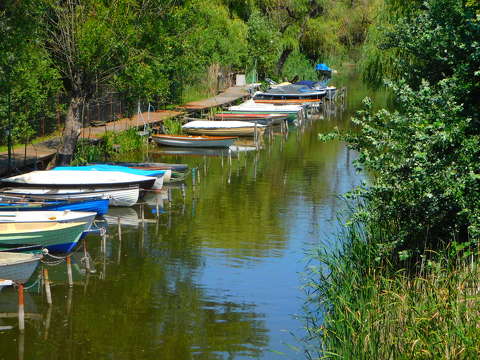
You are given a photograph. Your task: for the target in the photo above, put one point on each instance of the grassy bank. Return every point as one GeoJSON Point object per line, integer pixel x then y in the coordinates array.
{"type": "Point", "coordinates": [365, 307]}
{"type": "Point", "coordinates": [109, 147]}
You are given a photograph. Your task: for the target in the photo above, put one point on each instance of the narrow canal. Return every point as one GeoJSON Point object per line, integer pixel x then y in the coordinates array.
{"type": "Point", "coordinates": [215, 269]}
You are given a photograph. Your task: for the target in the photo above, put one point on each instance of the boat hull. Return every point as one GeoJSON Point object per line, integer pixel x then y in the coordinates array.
{"type": "Point", "coordinates": [55, 237]}
{"type": "Point", "coordinates": [83, 180]}
{"type": "Point", "coordinates": [116, 197]}
{"type": "Point", "coordinates": [18, 267]}
{"type": "Point", "coordinates": [237, 131]}
{"type": "Point", "coordinates": [195, 142]}
{"type": "Point", "coordinates": [23, 202]}
{"type": "Point", "coordinates": [47, 216]}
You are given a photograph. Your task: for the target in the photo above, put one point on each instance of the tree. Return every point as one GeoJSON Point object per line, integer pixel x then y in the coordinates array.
{"type": "Point", "coordinates": [89, 42]}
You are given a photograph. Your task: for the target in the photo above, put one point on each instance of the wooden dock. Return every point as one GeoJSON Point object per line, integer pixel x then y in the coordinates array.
{"type": "Point", "coordinates": [138, 121]}
{"type": "Point", "coordinates": [39, 155]}
{"type": "Point", "coordinates": [229, 96]}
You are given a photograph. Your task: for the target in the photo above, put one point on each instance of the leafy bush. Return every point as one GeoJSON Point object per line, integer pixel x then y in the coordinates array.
{"type": "Point", "coordinates": [425, 187]}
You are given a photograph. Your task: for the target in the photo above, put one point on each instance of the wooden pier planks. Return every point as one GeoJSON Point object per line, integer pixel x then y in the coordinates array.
{"type": "Point", "coordinates": [230, 95]}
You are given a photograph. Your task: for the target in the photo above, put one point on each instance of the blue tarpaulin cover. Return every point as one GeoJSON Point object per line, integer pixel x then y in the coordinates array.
{"type": "Point", "coordinates": [309, 83]}
{"type": "Point", "coordinates": [322, 67]}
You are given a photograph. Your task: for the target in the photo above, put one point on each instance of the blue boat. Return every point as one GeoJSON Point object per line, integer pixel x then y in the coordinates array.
{"type": "Point", "coordinates": [100, 206]}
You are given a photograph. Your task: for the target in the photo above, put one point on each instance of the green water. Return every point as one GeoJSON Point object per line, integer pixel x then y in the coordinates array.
{"type": "Point", "coordinates": [214, 271]}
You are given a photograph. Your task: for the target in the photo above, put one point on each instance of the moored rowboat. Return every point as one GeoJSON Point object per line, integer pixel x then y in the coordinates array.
{"type": "Point", "coordinates": [18, 267]}
{"type": "Point", "coordinates": [223, 128]}
{"type": "Point", "coordinates": [24, 200]}
{"type": "Point", "coordinates": [55, 236]}
{"type": "Point", "coordinates": [67, 179]}
{"type": "Point", "coordinates": [194, 141]}
{"type": "Point", "coordinates": [47, 216]}
{"type": "Point", "coordinates": [265, 118]}
{"type": "Point", "coordinates": [159, 175]}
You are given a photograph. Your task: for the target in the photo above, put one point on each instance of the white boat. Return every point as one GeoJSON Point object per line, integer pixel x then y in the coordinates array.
{"type": "Point", "coordinates": [17, 267]}
{"type": "Point", "coordinates": [194, 141]}
{"type": "Point", "coordinates": [91, 180]}
{"type": "Point", "coordinates": [47, 216]}
{"type": "Point", "coordinates": [223, 128]}
{"type": "Point", "coordinates": [252, 106]}
{"type": "Point", "coordinates": [126, 196]}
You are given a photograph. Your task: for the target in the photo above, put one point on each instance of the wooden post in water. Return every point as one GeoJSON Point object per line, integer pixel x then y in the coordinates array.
{"type": "Point", "coordinates": [104, 243]}
{"type": "Point", "coordinates": [119, 240]}
{"type": "Point", "coordinates": [119, 229]}
{"type": "Point", "coordinates": [69, 271]}
{"type": "Point", "coordinates": [69, 301]}
{"type": "Point", "coordinates": [85, 256]}
{"type": "Point", "coordinates": [47, 322]}
{"type": "Point", "coordinates": [48, 293]}
{"type": "Point", "coordinates": [21, 309]}
{"type": "Point", "coordinates": [21, 346]}
{"type": "Point", "coordinates": [194, 171]}
{"type": "Point", "coordinates": [142, 213]}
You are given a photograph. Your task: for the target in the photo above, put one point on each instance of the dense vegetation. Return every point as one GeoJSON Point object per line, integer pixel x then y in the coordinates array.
{"type": "Point", "coordinates": [57, 56]}
{"type": "Point", "coordinates": [405, 283]}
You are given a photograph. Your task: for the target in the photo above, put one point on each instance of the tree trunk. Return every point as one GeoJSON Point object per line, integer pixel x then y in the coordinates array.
{"type": "Point", "coordinates": [73, 127]}
{"type": "Point", "coordinates": [281, 61]}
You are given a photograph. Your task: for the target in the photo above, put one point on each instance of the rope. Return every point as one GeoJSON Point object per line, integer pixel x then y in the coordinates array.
{"type": "Point", "coordinates": [15, 284]}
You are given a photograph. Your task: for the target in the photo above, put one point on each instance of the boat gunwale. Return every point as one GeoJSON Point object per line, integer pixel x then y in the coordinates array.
{"type": "Point", "coordinates": [194, 137]}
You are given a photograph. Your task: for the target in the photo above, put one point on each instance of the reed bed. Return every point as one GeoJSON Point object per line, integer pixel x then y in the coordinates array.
{"type": "Point", "coordinates": [360, 308]}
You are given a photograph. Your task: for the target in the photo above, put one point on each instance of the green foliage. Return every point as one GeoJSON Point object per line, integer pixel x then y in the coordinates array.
{"type": "Point", "coordinates": [87, 152]}
{"type": "Point", "coordinates": [387, 294]}
{"type": "Point", "coordinates": [62, 53]}
{"type": "Point", "coordinates": [298, 65]}
{"type": "Point", "coordinates": [110, 145]}
{"type": "Point", "coordinates": [172, 127]}
{"type": "Point", "coordinates": [425, 188]}
{"type": "Point", "coordinates": [263, 46]}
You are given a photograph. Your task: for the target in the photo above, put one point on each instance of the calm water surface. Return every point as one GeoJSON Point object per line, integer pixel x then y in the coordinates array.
{"type": "Point", "coordinates": [214, 271]}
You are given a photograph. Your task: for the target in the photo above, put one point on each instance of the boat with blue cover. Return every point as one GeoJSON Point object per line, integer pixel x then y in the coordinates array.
{"type": "Point", "coordinates": [157, 174]}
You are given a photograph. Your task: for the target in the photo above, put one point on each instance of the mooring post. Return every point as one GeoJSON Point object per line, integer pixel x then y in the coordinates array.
{"type": "Point", "coordinates": [119, 229]}
{"type": "Point", "coordinates": [21, 346]}
{"type": "Point", "coordinates": [85, 256]}
{"type": "Point", "coordinates": [21, 309]}
{"type": "Point", "coordinates": [104, 243]}
{"type": "Point", "coordinates": [69, 271]}
{"type": "Point", "coordinates": [47, 322]}
{"type": "Point", "coordinates": [142, 212]}
{"type": "Point", "coordinates": [48, 293]}
{"type": "Point", "coordinates": [194, 170]}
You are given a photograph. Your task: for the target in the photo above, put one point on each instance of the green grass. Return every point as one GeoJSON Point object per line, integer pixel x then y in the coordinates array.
{"type": "Point", "coordinates": [363, 307]}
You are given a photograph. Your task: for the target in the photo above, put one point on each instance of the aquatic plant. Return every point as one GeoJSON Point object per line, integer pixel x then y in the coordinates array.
{"type": "Point", "coordinates": [172, 127]}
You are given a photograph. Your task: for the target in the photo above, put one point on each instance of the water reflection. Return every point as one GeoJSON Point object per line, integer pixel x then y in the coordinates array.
{"type": "Point", "coordinates": [208, 268]}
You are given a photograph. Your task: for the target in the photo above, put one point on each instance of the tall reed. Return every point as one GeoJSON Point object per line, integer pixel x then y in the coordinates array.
{"type": "Point", "coordinates": [361, 306]}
